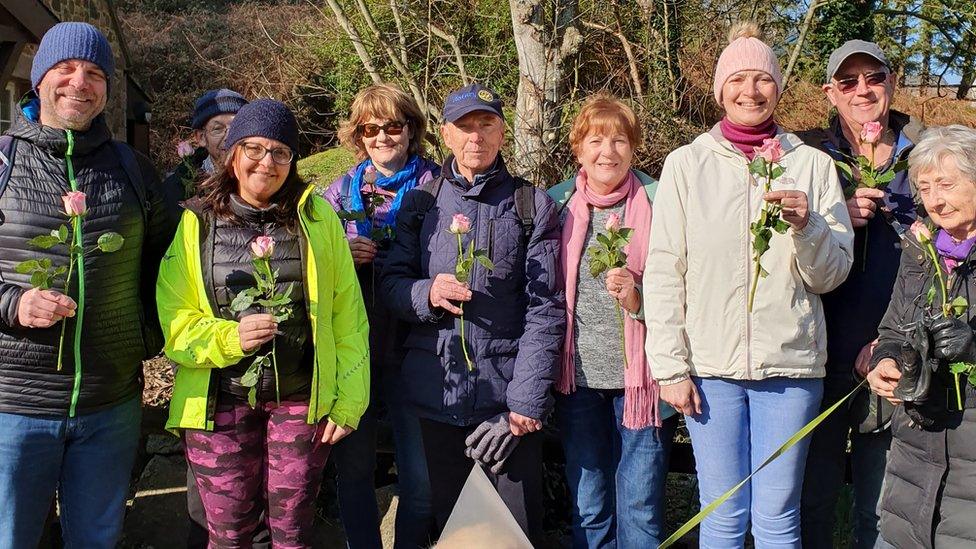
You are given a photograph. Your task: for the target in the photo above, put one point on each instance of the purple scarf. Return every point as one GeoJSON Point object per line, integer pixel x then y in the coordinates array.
{"type": "Point", "coordinates": [953, 252]}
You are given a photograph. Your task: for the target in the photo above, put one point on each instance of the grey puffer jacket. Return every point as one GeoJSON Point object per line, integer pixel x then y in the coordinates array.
{"type": "Point", "coordinates": [119, 327]}
{"type": "Point", "coordinates": [515, 321]}
{"type": "Point", "coordinates": [929, 497]}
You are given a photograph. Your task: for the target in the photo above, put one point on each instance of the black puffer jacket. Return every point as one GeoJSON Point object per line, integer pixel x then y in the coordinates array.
{"type": "Point", "coordinates": [227, 256]}
{"type": "Point", "coordinates": [929, 497]}
{"type": "Point", "coordinates": [119, 287]}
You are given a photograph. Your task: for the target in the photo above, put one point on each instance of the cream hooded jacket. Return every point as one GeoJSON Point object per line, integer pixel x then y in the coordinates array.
{"type": "Point", "coordinates": [699, 266]}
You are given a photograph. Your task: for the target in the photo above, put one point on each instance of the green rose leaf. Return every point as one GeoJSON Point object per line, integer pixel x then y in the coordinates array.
{"type": "Point", "coordinates": [886, 177]}
{"type": "Point", "coordinates": [781, 226]}
{"type": "Point", "coordinates": [899, 166]}
{"type": "Point", "coordinates": [482, 258]}
{"type": "Point", "coordinates": [25, 267]}
{"type": "Point", "coordinates": [625, 234]}
{"type": "Point", "coordinates": [959, 305]}
{"type": "Point", "coordinates": [242, 302]}
{"type": "Point", "coordinates": [110, 242]}
{"type": "Point", "coordinates": [959, 367]}
{"type": "Point", "coordinates": [758, 167]}
{"type": "Point", "coordinates": [930, 295]}
{"type": "Point", "coordinates": [778, 171]}
{"type": "Point", "coordinates": [597, 267]}
{"type": "Point", "coordinates": [252, 397]}
{"type": "Point", "coordinates": [44, 241]}
{"type": "Point", "coordinates": [40, 279]}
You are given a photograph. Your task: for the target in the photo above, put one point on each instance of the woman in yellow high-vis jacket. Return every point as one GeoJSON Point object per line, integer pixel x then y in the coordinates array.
{"type": "Point", "coordinates": [254, 429]}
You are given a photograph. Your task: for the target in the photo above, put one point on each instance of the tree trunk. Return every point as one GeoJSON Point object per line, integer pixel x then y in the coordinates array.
{"type": "Point", "coordinates": [546, 34]}
{"type": "Point", "coordinates": [798, 46]}
{"type": "Point", "coordinates": [968, 66]}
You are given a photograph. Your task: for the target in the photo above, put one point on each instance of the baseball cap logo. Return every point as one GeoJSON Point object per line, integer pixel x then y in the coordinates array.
{"type": "Point", "coordinates": [486, 96]}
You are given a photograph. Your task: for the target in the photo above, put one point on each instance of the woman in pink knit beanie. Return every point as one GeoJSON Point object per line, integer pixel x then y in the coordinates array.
{"type": "Point", "coordinates": [746, 374]}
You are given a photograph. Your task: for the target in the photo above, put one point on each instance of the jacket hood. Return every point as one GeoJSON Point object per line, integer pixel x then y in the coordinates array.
{"type": "Point", "coordinates": [55, 140]}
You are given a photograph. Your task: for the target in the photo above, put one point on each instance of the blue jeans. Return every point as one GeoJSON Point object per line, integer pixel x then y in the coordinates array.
{"type": "Point", "coordinates": [86, 459]}
{"type": "Point", "coordinates": [741, 424]}
{"type": "Point", "coordinates": [616, 476]}
{"type": "Point", "coordinates": [825, 472]}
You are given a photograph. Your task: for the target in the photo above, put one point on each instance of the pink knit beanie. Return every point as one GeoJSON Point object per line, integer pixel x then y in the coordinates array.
{"type": "Point", "coordinates": [745, 52]}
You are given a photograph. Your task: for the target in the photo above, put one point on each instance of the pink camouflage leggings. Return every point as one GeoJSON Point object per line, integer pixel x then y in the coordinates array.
{"type": "Point", "coordinates": [262, 459]}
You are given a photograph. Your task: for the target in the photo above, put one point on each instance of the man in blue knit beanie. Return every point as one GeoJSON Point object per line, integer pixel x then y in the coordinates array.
{"type": "Point", "coordinates": [71, 74]}
{"type": "Point", "coordinates": [71, 355]}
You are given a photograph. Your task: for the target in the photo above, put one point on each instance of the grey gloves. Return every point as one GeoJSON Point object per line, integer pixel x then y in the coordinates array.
{"type": "Point", "coordinates": [491, 443]}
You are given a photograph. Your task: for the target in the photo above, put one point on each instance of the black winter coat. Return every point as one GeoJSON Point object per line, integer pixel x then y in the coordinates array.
{"type": "Point", "coordinates": [119, 327]}
{"type": "Point", "coordinates": [929, 497]}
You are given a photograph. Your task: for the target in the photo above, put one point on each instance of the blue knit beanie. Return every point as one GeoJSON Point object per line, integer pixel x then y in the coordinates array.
{"type": "Point", "coordinates": [72, 40]}
{"type": "Point", "coordinates": [214, 102]}
{"type": "Point", "coordinates": [264, 118]}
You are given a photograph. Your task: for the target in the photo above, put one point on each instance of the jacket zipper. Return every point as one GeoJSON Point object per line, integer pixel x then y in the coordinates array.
{"type": "Point", "coordinates": [748, 250]}
{"type": "Point", "coordinates": [79, 317]}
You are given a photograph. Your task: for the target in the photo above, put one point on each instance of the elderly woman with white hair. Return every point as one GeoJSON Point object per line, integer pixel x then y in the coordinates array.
{"type": "Point", "coordinates": [925, 360]}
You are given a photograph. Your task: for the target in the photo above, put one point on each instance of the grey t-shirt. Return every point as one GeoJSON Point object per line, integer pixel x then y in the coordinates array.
{"type": "Point", "coordinates": [598, 334]}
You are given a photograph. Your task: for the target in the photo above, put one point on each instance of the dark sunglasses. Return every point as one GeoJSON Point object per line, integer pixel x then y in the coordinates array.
{"type": "Point", "coordinates": [847, 85]}
{"type": "Point", "coordinates": [257, 152]}
{"type": "Point", "coordinates": [394, 127]}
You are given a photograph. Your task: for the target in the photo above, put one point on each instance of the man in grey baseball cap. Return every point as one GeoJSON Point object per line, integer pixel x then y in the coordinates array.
{"type": "Point", "coordinates": [860, 86]}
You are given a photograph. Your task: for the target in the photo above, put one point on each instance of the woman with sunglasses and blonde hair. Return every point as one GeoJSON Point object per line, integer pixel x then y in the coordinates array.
{"type": "Point", "coordinates": [260, 398]}
{"type": "Point", "coordinates": [386, 130]}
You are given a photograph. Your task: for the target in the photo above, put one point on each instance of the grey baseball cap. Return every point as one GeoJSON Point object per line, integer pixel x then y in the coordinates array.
{"type": "Point", "coordinates": [853, 47]}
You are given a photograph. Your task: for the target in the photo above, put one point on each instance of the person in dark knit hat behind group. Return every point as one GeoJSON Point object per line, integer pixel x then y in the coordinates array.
{"type": "Point", "coordinates": [257, 430]}
{"type": "Point", "coordinates": [73, 429]}
{"type": "Point", "coordinates": [212, 114]}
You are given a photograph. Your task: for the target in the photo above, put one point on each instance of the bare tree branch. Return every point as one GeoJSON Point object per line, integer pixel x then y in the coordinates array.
{"type": "Point", "coordinates": [798, 46]}
{"type": "Point", "coordinates": [628, 50]}
{"type": "Point", "coordinates": [357, 41]}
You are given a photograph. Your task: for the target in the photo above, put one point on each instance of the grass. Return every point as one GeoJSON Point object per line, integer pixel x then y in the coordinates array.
{"type": "Point", "coordinates": [323, 168]}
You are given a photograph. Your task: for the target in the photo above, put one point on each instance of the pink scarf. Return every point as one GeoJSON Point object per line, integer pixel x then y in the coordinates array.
{"type": "Point", "coordinates": [640, 390]}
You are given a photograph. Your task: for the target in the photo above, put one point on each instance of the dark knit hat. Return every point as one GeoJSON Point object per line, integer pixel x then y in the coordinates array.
{"type": "Point", "coordinates": [264, 118]}
{"type": "Point", "coordinates": [214, 102]}
{"type": "Point", "coordinates": [72, 40]}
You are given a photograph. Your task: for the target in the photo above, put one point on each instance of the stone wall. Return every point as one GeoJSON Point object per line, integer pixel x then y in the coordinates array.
{"type": "Point", "coordinates": [97, 12]}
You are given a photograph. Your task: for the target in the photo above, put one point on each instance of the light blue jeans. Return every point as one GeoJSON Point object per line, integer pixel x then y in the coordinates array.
{"type": "Point", "coordinates": [87, 459]}
{"type": "Point", "coordinates": [741, 424]}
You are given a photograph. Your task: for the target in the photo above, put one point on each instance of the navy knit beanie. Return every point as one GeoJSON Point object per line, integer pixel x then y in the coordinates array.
{"type": "Point", "coordinates": [264, 118]}
{"type": "Point", "coordinates": [72, 40]}
{"type": "Point", "coordinates": [214, 102]}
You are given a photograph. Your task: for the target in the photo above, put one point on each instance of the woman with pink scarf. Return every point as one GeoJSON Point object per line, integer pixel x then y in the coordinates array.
{"type": "Point", "coordinates": [615, 432]}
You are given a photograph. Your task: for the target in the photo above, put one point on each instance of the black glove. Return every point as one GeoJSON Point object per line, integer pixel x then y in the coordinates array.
{"type": "Point", "coordinates": [491, 442]}
{"type": "Point", "coordinates": [916, 369]}
{"type": "Point", "coordinates": [952, 340]}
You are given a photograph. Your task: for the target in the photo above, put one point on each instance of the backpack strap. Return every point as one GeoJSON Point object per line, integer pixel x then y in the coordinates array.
{"type": "Point", "coordinates": [127, 157]}
{"type": "Point", "coordinates": [525, 207]}
{"type": "Point", "coordinates": [8, 149]}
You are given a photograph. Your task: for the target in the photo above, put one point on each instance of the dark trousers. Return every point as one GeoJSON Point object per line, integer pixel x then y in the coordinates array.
{"type": "Point", "coordinates": [519, 484]}
{"type": "Point", "coordinates": [826, 470]}
{"type": "Point", "coordinates": [355, 460]}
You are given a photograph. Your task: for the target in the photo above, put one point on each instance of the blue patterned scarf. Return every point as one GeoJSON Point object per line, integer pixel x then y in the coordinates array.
{"type": "Point", "coordinates": [400, 182]}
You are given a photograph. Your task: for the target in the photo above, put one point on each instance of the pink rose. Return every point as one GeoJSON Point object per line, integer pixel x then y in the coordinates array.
{"type": "Point", "coordinates": [921, 232]}
{"type": "Point", "coordinates": [871, 132]}
{"type": "Point", "coordinates": [613, 223]}
{"type": "Point", "coordinates": [262, 247]}
{"type": "Point", "coordinates": [771, 151]}
{"type": "Point", "coordinates": [460, 224]}
{"type": "Point", "coordinates": [369, 175]}
{"type": "Point", "coordinates": [184, 149]}
{"type": "Point", "coordinates": [74, 204]}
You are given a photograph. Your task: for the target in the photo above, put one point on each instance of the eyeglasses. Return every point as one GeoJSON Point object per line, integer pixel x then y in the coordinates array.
{"type": "Point", "coordinates": [279, 155]}
{"type": "Point", "coordinates": [847, 85]}
{"type": "Point", "coordinates": [394, 127]}
{"type": "Point", "coordinates": [217, 131]}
